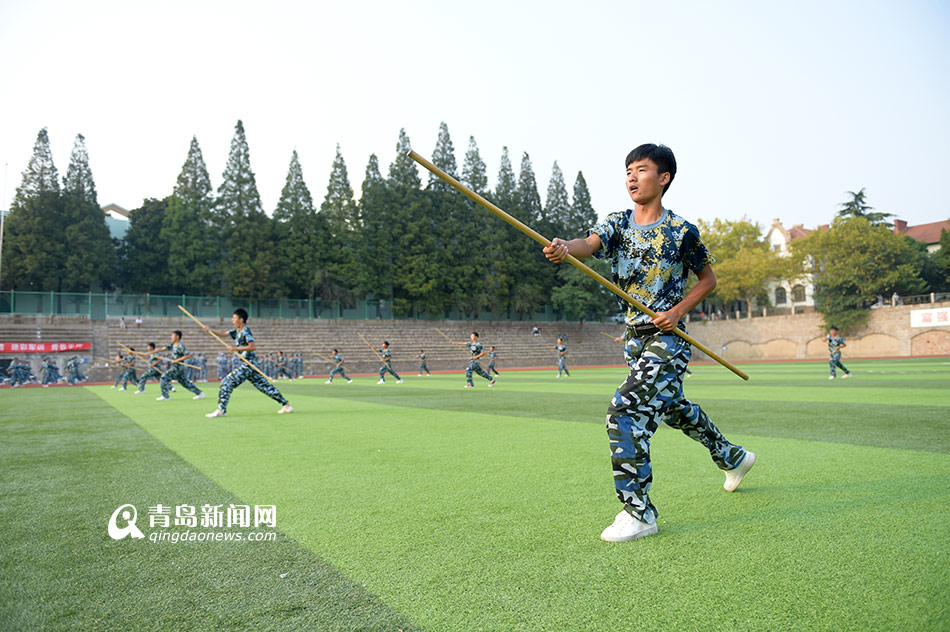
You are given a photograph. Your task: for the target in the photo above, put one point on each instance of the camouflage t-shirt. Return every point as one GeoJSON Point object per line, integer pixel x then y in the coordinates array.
{"type": "Point", "coordinates": [833, 343]}
{"type": "Point", "coordinates": [242, 337]}
{"type": "Point", "coordinates": [651, 262]}
{"type": "Point", "coordinates": [475, 348]}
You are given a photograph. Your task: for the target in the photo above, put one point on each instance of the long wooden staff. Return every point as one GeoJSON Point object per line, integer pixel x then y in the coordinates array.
{"type": "Point", "coordinates": [614, 338]}
{"type": "Point", "coordinates": [371, 347]}
{"type": "Point", "coordinates": [218, 338]}
{"type": "Point", "coordinates": [613, 287]}
{"type": "Point", "coordinates": [323, 356]}
{"type": "Point", "coordinates": [149, 355]}
{"type": "Point", "coordinates": [450, 340]}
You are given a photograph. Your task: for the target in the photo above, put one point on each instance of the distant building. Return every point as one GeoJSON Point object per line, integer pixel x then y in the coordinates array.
{"type": "Point", "coordinates": [924, 233]}
{"type": "Point", "coordinates": [797, 293]}
{"type": "Point", "coordinates": [117, 219]}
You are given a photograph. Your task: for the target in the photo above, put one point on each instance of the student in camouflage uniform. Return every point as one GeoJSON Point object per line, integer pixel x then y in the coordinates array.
{"type": "Point", "coordinates": [128, 370]}
{"type": "Point", "coordinates": [176, 370]}
{"type": "Point", "coordinates": [492, 356]}
{"type": "Point", "coordinates": [477, 351]}
{"type": "Point", "coordinates": [423, 366]}
{"type": "Point", "coordinates": [561, 355]}
{"type": "Point", "coordinates": [120, 362]}
{"type": "Point", "coordinates": [75, 375]}
{"type": "Point", "coordinates": [835, 344]}
{"type": "Point", "coordinates": [245, 345]}
{"type": "Point", "coordinates": [151, 370]}
{"type": "Point", "coordinates": [50, 372]}
{"type": "Point", "coordinates": [338, 369]}
{"type": "Point", "coordinates": [651, 252]}
{"type": "Point", "coordinates": [387, 367]}
{"type": "Point", "coordinates": [283, 365]}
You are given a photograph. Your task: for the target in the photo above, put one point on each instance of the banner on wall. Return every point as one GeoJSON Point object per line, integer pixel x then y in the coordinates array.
{"type": "Point", "coordinates": [939, 317]}
{"type": "Point", "coordinates": [43, 347]}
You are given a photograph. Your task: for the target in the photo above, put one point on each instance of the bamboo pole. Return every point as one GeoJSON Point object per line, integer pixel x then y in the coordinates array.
{"type": "Point", "coordinates": [574, 261]}
{"type": "Point", "coordinates": [614, 338]}
{"type": "Point", "coordinates": [226, 345]}
{"type": "Point", "coordinates": [371, 347]}
{"type": "Point", "coordinates": [149, 355]}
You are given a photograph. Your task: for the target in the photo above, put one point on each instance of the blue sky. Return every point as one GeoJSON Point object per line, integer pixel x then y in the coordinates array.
{"type": "Point", "coordinates": [773, 110]}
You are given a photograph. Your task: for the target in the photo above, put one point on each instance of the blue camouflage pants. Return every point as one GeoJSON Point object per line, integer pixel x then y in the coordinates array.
{"type": "Point", "coordinates": [424, 367]}
{"type": "Point", "coordinates": [338, 370]}
{"type": "Point", "coordinates": [128, 376]}
{"type": "Point", "coordinates": [491, 368]}
{"type": "Point", "coordinates": [475, 367]}
{"type": "Point", "coordinates": [835, 362]}
{"type": "Point", "coordinates": [236, 377]}
{"type": "Point", "coordinates": [176, 372]}
{"type": "Point", "coordinates": [387, 368]}
{"type": "Point", "coordinates": [150, 373]}
{"type": "Point", "coordinates": [653, 392]}
{"type": "Point", "coordinates": [562, 366]}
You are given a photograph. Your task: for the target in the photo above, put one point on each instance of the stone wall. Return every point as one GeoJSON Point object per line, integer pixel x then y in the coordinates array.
{"type": "Point", "coordinates": [802, 336]}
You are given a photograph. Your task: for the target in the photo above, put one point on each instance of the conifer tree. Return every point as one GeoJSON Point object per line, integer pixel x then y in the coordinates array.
{"type": "Point", "coordinates": [250, 263]}
{"type": "Point", "coordinates": [195, 248]}
{"type": "Point", "coordinates": [531, 289]}
{"type": "Point", "coordinates": [338, 275]}
{"type": "Point", "coordinates": [90, 255]}
{"type": "Point", "coordinates": [557, 206]}
{"type": "Point", "coordinates": [583, 217]}
{"type": "Point", "coordinates": [453, 257]}
{"type": "Point", "coordinates": [300, 237]}
{"type": "Point", "coordinates": [375, 246]}
{"type": "Point", "coordinates": [33, 249]}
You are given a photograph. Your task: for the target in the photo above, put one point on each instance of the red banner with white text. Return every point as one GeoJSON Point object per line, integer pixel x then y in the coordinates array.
{"type": "Point", "coordinates": [43, 347]}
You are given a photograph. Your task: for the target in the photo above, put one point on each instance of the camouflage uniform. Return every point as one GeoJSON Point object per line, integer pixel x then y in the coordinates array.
{"type": "Point", "coordinates": [652, 263]}
{"type": "Point", "coordinates": [338, 370]}
{"type": "Point", "coordinates": [128, 374]}
{"type": "Point", "coordinates": [475, 348]}
{"type": "Point", "coordinates": [150, 371]}
{"type": "Point", "coordinates": [834, 349]}
{"type": "Point", "coordinates": [491, 364]}
{"type": "Point", "coordinates": [423, 366]}
{"type": "Point", "coordinates": [387, 365]}
{"type": "Point", "coordinates": [243, 372]}
{"type": "Point", "coordinates": [561, 360]}
{"type": "Point", "coordinates": [176, 371]}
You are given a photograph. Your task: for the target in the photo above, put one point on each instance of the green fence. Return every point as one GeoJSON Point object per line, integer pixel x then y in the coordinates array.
{"type": "Point", "coordinates": [100, 306]}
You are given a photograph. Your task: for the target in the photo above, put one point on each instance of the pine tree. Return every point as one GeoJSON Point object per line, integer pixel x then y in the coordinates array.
{"type": "Point", "coordinates": [90, 258]}
{"type": "Point", "coordinates": [375, 247]}
{"type": "Point", "coordinates": [507, 244]}
{"type": "Point", "coordinates": [195, 248]}
{"type": "Point", "coordinates": [557, 206]}
{"type": "Point", "coordinates": [338, 276]}
{"type": "Point", "coordinates": [34, 244]}
{"type": "Point", "coordinates": [299, 237]}
{"type": "Point", "coordinates": [583, 217]}
{"type": "Point", "coordinates": [531, 289]}
{"type": "Point", "coordinates": [529, 200]}
{"type": "Point", "coordinates": [246, 230]}
{"type": "Point", "coordinates": [144, 254]}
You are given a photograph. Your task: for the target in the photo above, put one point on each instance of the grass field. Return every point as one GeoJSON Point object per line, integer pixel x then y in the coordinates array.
{"type": "Point", "coordinates": [426, 506]}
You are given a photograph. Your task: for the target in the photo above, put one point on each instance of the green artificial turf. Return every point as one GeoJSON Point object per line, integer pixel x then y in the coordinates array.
{"type": "Point", "coordinates": [423, 504]}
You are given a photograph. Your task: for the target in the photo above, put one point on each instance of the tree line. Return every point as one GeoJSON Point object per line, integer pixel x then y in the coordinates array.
{"type": "Point", "coordinates": [418, 245]}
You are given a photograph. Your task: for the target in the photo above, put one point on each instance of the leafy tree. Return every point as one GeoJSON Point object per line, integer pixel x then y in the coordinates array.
{"type": "Point", "coordinates": [90, 258]}
{"type": "Point", "coordinates": [852, 263]}
{"type": "Point", "coordinates": [375, 246]}
{"type": "Point", "coordinates": [941, 263]}
{"type": "Point", "coordinates": [34, 244]}
{"type": "Point", "coordinates": [725, 238]}
{"type": "Point", "coordinates": [557, 206]}
{"type": "Point", "coordinates": [144, 254]}
{"type": "Point", "coordinates": [300, 237]}
{"type": "Point", "coordinates": [338, 275]}
{"type": "Point", "coordinates": [746, 274]}
{"type": "Point", "coordinates": [857, 207]}
{"type": "Point", "coordinates": [196, 250]}
{"type": "Point", "coordinates": [251, 262]}
{"type": "Point", "coordinates": [579, 296]}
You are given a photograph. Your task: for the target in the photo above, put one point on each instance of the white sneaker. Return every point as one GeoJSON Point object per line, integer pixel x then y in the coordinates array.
{"type": "Point", "coordinates": [138, 392]}
{"type": "Point", "coordinates": [491, 383]}
{"type": "Point", "coordinates": [626, 528]}
{"type": "Point", "coordinates": [329, 382]}
{"type": "Point", "coordinates": [287, 408]}
{"type": "Point", "coordinates": [217, 413]}
{"type": "Point", "coordinates": [399, 381]}
{"type": "Point", "coordinates": [558, 375]}
{"type": "Point", "coordinates": [349, 381]}
{"type": "Point", "coordinates": [161, 399]}
{"type": "Point", "coordinates": [121, 388]}
{"type": "Point", "coordinates": [845, 376]}
{"type": "Point", "coordinates": [734, 476]}
{"type": "Point", "coordinates": [469, 386]}
{"type": "Point", "coordinates": [831, 377]}
{"type": "Point", "coordinates": [199, 396]}
{"type": "Point", "coordinates": [381, 381]}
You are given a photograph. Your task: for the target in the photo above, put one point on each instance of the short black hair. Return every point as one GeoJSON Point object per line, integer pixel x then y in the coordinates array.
{"type": "Point", "coordinates": [833, 327]}
{"type": "Point", "coordinates": [151, 345]}
{"type": "Point", "coordinates": [386, 342]}
{"type": "Point", "coordinates": [242, 313]}
{"type": "Point", "coordinates": [475, 333]}
{"type": "Point", "coordinates": [177, 333]}
{"type": "Point", "coordinates": [660, 155]}
{"type": "Point", "coordinates": [334, 351]}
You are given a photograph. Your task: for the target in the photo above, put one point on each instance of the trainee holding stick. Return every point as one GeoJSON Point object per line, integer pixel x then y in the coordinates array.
{"type": "Point", "coordinates": [478, 352]}
{"type": "Point", "coordinates": [652, 251]}
{"type": "Point", "coordinates": [175, 370]}
{"type": "Point", "coordinates": [245, 347]}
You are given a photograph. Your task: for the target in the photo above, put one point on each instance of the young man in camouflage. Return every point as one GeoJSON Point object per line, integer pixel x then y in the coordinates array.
{"type": "Point", "coordinates": [176, 371]}
{"type": "Point", "coordinates": [562, 358]}
{"type": "Point", "coordinates": [245, 345]}
{"type": "Point", "coordinates": [387, 364]}
{"type": "Point", "coordinates": [151, 370]}
{"type": "Point", "coordinates": [492, 356]}
{"type": "Point", "coordinates": [128, 370]}
{"type": "Point", "coordinates": [338, 369]}
{"type": "Point", "coordinates": [835, 344]}
{"type": "Point", "coordinates": [652, 251]}
{"type": "Point", "coordinates": [423, 366]}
